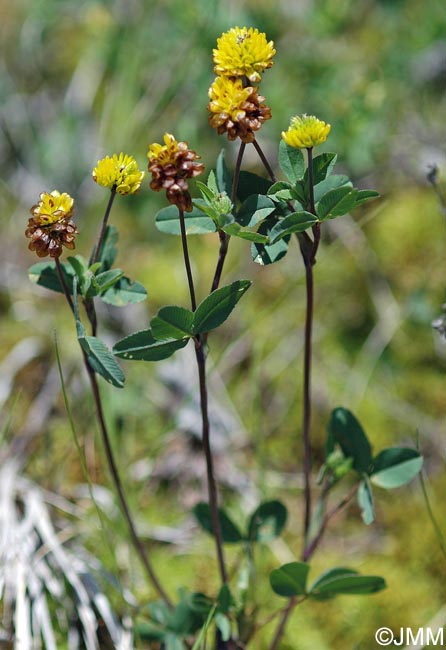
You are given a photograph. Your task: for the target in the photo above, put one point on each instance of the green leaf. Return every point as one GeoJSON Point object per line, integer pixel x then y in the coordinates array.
{"type": "Point", "coordinates": [224, 625]}
{"type": "Point", "coordinates": [124, 292]}
{"type": "Point", "coordinates": [290, 579]}
{"type": "Point", "coordinates": [330, 183]}
{"type": "Point", "coordinates": [395, 467]}
{"type": "Point", "coordinates": [267, 522]}
{"type": "Point", "coordinates": [205, 190]}
{"type": "Point", "coordinates": [142, 346]}
{"type": "Point", "coordinates": [81, 270]}
{"type": "Point", "coordinates": [223, 175]}
{"type": "Point", "coordinates": [216, 308]}
{"type": "Point", "coordinates": [234, 230]}
{"type": "Point", "coordinates": [365, 195]}
{"type": "Point", "coordinates": [327, 577]}
{"type": "Point", "coordinates": [296, 222]}
{"type": "Point", "coordinates": [251, 184]}
{"type": "Point", "coordinates": [265, 254]}
{"type": "Point", "coordinates": [291, 162]}
{"type": "Point", "coordinates": [101, 360]}
{"type": "Point", "coordinates": [365, 501]}
{"type": "Point", "coordinates": [172, 322]}
{"type": "Point", "coordinates": [337, 202]}
{"type": "Point", "coordinates": [149, 632]}
{"type": "Point", "coordinates": [196, 222]}
{"type": "Point", "coordinates": [344, 581]}
{"type": "Point", "coordinates": [322, 167]}
{"type": "Point", "coordinates": [103, 281]}
{"type": "Point", "coordinates": [345, 430]}
{"type": "Point", "coordinates": [109, 250]}
{"type": "Point", "coordinates": [45, 275]}
{"type": "Point", "coordinates": [173, 642]}
{"type": "Point", "coordinates": [254, 209]}
{"type": "Point", "coordinates": [229, 531]}
{"type": "Point", "coordinates": [224, 599]}
{"type": "Point", "coordinates": [212, 182]}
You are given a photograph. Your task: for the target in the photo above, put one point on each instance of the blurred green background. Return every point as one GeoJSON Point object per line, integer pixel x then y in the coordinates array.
{"type": "Point", "coordinates": [84, 79]}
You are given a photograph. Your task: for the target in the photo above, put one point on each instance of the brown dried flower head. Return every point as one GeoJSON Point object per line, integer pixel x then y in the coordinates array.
{"type": "Point", "coordinates": [235, 109]}
{"type": "Point", "coordinates": [51, 227]}
{"type": "Point", "coordinates": [171, 165]}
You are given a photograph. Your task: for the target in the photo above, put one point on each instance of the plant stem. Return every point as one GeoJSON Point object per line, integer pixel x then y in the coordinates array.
{"type": "Point", "coordinates": [310, 549]}
{"type": "Point", "coordinates": [97, 250]}
{"type": "Point", "coordinates": [201, 364]}
{"type": "Point", "coordinates": [187, 260]}
{"type": "Point", "coordinates": [282, 624]}
{"type": "Point", "coordinates": [224, 238]}
{"type": "Point", "coordinates": [212, 486]}
{"type": "Point", "coordinates": [306, 417]}
{"type": "Point", "coordinates": [264, 161]}
{"type": "Point", "coordinates": [111, 460]}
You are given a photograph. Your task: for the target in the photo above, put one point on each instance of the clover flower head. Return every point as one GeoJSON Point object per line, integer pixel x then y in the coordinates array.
{"type": "Point", "coordinates": [51, 227]}
{"type": "Point", "coordinates": [235, 109]}
{"type": "Point", "coordinates": [171, 164]}
{"type": "Point", "coordinates": [306, 131]}
{"type": "Point", "coordinates": [243, 52]}
{"type": "Point", "coordinates": [118, 172]}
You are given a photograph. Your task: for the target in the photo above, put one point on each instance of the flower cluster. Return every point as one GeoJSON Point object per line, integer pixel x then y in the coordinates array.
{"type": "Point", "coordinates": [120, 173]}
{"type": "Point", "coordinates": [171, 164]}
{"type": "Point", "coordinates": [51, 227]}
{"type": "Point", "coordinates": [236, 108]}
{"type": "Point", "coordinates": [306, 131]}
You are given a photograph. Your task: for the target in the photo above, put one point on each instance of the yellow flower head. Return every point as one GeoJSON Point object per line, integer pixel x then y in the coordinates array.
{"type": "Point", "coordinates": [306, 131]}
{"type": "Point", "coordinates": [52, 207]}
{"type": "Point", "coordinates": [166, 153]}
{"type": "Point", "coordinates": [243, 52]}
{"type": "Point", "coordinates": [51, 227]}
{"type": "Point", "coordinates": [120, 172]}
{"type": "Point", "coordinates": [236, 110]}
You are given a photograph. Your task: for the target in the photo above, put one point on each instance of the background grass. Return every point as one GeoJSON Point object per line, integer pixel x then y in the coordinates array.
{"type": "Point", "coordinates": [84, 79]}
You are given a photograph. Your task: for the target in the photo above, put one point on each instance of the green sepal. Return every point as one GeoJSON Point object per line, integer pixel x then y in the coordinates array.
{"type": "Point", "coordinates": [216, 308]}
{"type": "Point", "coordinates": [290, 579]}
{"type": "Point", "coordinates": [229, 531]}
{"type": "Point", "coordinates": [172, 322]}
{"type": "Point", "coordinates": [296, 222]}
{"type": "Point", "coordinates": [143, 346]}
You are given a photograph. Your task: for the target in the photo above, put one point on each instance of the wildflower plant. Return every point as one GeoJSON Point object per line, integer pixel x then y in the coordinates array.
{"type": "Point", "coordinates": [274, 216]}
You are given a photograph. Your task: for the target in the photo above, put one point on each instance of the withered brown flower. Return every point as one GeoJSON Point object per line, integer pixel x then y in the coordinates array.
{"type": "Point", "coordinates": [171, 165]}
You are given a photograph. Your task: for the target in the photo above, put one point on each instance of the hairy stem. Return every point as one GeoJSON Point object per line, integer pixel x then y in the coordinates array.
{"type": "Point", "coordinates": [139, 547]}
{"type": "Point", "coordinates": [224, 238]}
{"type": "Point", "coordinates": [98, 247]}
{"type": "Point", "coordinates": [201, 365]}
